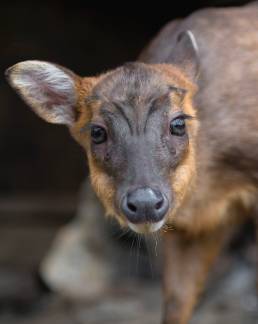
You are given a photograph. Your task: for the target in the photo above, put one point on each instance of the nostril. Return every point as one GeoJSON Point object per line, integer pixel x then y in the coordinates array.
{"type": "Point", "coordinates": [132, 207]}
{"type": "Point", "coordinates": [159, 204]}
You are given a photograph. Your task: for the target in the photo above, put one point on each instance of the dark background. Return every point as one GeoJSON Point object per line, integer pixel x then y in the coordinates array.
{"type": "Point", "coordinates": [85, 36]}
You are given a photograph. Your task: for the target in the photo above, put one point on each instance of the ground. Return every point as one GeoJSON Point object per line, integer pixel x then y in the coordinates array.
{"type": "Point", "coordinates": [229, 298]}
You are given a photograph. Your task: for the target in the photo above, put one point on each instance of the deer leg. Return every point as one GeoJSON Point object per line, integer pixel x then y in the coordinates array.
{"type": "Point", "coordinates": [186, 265]}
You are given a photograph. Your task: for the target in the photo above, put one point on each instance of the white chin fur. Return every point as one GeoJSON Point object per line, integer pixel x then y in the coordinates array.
{"type": "Point", "coordinates": [146, 227]}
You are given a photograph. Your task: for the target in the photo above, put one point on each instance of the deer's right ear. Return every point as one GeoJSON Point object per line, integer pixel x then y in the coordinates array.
{"type": "Point", "coordinates": [48, 89]}
{"type": "Point", "coordinates": [185, 54]}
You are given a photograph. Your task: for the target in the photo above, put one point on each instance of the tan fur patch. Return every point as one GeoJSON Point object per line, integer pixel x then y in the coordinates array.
{"type": "Point", "coordinates": [102, 184]}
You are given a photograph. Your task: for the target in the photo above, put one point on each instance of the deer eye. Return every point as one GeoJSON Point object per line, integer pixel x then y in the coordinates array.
{"type": "Point", "coordinates": [98, 134]}
{"type": "Point", "coordinates": [177, 126]}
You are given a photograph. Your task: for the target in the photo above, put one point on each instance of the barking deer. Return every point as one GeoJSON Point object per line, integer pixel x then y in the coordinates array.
{"type": "Point", "coordinates": [171, 140]}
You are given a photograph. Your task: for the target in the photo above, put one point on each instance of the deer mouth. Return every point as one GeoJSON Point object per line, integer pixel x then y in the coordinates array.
{"type": "Point", "coordinates": [146, 228]}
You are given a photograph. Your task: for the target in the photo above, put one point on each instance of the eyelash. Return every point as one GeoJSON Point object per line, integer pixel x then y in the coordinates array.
{"type": "Point", "coordinates": [184, 116]}
{"type": "Point", "coordinates": [88, 127]}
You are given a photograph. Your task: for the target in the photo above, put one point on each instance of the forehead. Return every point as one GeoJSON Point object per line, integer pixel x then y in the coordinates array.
{"type": "Point", "coordinates": [131, 84]}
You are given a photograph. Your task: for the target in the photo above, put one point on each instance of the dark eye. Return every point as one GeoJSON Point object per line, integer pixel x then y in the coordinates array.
{"type": "Point", "coordinates": [98, 134]}
{"type": "Point", "coordinates": [177, 126]}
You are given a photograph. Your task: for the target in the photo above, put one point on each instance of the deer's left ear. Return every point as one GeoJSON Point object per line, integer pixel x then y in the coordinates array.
{"type": "Point", "coordinates": [49, 89]}
{"type": "Point", "coordinates": [185, 54]}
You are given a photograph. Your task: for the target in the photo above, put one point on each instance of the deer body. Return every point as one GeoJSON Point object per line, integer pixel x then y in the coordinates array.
{"type": "Point", "coordinates": [162, 150]}
{"type": "Point", "coordinates": [225, 185]}
{"type": "Point", "coordinates": [226, 105]}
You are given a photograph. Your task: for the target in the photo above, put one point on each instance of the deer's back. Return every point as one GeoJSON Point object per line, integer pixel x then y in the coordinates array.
{"type": "Point", "coordinates": [227, 100]}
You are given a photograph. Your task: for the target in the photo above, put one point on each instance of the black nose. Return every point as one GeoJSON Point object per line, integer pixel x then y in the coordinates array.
{"type": "Point", "coordinates": [144, 205]}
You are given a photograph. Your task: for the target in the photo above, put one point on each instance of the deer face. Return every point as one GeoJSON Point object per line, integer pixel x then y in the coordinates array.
{"type": "Point", "coordinates": [137, 126]}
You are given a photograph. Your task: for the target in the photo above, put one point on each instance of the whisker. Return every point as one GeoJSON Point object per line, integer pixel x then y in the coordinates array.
{"type": "Point", "coordinates": [167, 227]}
{"type": "Point", "coordinates": [156, 238]}
{"type": "Point", "coordinates": [149, 256]}
{"type": "Point", "coordinates": [138, 252]}
{"type": "Point", "coordinates": [122, 234]}
{"type": "Point", "coordinates": [132, 246]}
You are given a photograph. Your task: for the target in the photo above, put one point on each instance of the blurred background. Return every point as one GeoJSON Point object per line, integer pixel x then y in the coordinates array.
{"type": "Point", "coordinates": [42, 169]}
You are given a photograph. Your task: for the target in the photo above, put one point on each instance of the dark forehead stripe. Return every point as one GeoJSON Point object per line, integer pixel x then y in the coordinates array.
{"type": "Point", "coordinates": [119, 110]}
{"type": "Point", "coordinates": [160, 103]}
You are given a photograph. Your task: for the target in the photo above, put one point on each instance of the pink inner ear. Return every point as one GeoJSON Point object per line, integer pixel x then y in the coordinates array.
{"type": "Point", "coordinates": [47, 88]}
{"type": "Point", "coordinates": [53, 98]}
{"type": "Point", "coordinates": [49, 91]}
